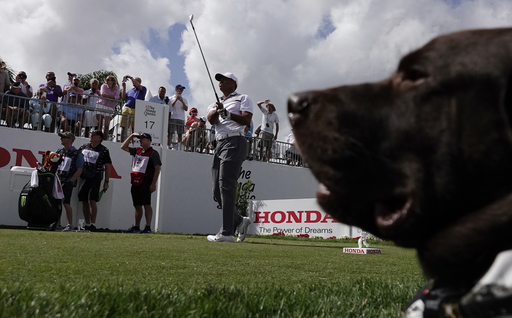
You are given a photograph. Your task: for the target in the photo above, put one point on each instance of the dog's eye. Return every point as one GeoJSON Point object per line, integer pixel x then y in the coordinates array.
{"type": "Point", "coordinates": [414, 75]}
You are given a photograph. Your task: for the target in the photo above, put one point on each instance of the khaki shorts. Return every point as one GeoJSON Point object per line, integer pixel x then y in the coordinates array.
{"type": "Point", "coordinates": [128, 117]}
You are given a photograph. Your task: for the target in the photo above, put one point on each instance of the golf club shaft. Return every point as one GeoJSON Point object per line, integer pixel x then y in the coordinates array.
{"type": "Point", "coordinates": [200, 49]}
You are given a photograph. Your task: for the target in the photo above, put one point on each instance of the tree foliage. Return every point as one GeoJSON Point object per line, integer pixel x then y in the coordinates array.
{"type": "Point", "coordinates": [100, 75]}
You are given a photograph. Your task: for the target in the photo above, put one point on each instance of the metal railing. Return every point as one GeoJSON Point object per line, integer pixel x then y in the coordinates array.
{"type": "Point", "coordinates": [53, 117]}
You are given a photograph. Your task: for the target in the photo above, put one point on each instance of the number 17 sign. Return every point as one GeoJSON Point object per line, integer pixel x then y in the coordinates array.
{"type": "Point", "coordinates": [152, 118]}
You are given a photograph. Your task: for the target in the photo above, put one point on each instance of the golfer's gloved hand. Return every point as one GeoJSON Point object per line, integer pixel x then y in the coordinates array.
{"type": "Point", "coordinates": [224, 113]}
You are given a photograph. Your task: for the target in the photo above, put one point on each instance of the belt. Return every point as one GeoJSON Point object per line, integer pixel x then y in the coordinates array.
{"type": "Point", "coordinates": [233, 134]}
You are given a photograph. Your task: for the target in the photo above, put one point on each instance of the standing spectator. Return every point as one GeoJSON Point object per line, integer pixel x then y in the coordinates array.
{"type": "Point", "coordinates": [292, 154]}
{"type": "Point", "coordinates": [91, 98]}
{"type": "Point", "coordinates": [196, 135]}
{"type": "Point", "coordinates": [25, 86]}
{"type": "Point", "coordinates": [54, 91]}
{"type": "Point", "coordinates": [267, 128]}
{"type": "Point", "coordinates": [73, 88]}
{"type": "Point", "coordinates": [96, 157]}
{"type": "Point", "coordinates": [177, 116]}
{"type": "Point", "coordinates": [160, 98]}
{"type": "Point", "coordinates": [137, 92]}
{"type": "Point", "coordinates": [71, 76]}
{"type": "Point", "coordinates": [70, 115]}
{"type": "Point", "coordinates": [16, 104]}
{"type": "Point", "coordinates": [192, 118]}
{"type": "Point", "coordinates": [69, 83]}
{"type": "Point", "coordinates": [109, 95]}
{"type": "Point", "coordinates": [68, 172]}
{"type": "Point", "coordinates": [5, 81]}
{"type": "Point", "coordinates": [230, 116]}
{"type": "Point", "coordinates": [144, 175]}
{"type": "Point", "coordinates": [248, 133]}
{"type": "Point", "coordinates": [40, 105]}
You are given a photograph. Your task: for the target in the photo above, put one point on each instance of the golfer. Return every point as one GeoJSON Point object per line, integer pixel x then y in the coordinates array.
{"type": "Point", "coordinates": [230, 116]}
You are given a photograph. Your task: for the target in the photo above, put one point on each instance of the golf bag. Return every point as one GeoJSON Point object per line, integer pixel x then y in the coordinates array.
{"type": "Point", "coordinates": [38, 205]}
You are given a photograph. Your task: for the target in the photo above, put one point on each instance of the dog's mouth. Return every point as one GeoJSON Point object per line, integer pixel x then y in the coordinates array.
{"type": "Point", "coordinates": [391, 214]}
{"type": "Point", "coordinates": [384, 217]}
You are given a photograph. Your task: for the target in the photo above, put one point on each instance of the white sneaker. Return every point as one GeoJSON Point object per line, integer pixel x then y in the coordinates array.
{"type": "Point", "coordinates": [242, 229]}
{"type": "Point", "coordinates": [220, 238]}
{"type": "Point", "coordinates": [68, 228]}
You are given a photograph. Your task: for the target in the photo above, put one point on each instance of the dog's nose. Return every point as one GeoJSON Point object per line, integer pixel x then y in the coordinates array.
{"type": "Point", "coordinates": [298, 102]}
{"type": "Point", "coordinates": [298, 105]}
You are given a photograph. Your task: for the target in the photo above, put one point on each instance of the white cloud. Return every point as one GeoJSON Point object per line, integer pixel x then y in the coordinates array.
{"type": "Point", "coordinates": [136, 60]}
{"type": "Point", "coordinates": [273, 46]}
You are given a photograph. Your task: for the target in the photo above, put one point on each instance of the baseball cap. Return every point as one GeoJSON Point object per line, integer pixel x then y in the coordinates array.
{"type": "Point", "coordinates": [145, 135]}
{"type": "Point", "coordinates": [179, 86]}
{"type": "Point", "coordinates": [97, 133]}
{"type": "Point", "coordinates": [67, 134]}
{"type": "Point", "coordinates": [71, 74]}
{"type": "Point", "coordinates": [193, 109]}
{"type": "Point", "coordinates": [203, 118]}
{"type": "Point", "coordinates": [16, 85]}
{"type": "Point", "coordinates": [218, 77]}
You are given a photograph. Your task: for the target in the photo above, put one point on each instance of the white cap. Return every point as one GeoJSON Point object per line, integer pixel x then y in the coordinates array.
{"type": "Point", "coordinates": [218, 76]}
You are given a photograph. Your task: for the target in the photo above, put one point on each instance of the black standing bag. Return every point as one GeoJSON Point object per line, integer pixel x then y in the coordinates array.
{"type": "Point", "coordinates": [36, 205]}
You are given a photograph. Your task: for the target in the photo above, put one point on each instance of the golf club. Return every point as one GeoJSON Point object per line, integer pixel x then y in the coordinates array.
{"type": "Point", "coordinates": [191, 18]}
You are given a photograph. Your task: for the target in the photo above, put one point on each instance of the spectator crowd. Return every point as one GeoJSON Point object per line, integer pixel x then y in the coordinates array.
{"type": "Point", "coordinates": [110, 108]}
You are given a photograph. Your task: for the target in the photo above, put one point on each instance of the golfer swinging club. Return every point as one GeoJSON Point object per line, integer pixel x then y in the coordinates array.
{"type": "Point", "coordinates": [230, 116]}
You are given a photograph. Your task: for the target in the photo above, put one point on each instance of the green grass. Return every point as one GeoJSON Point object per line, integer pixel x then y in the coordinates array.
{"type": "Point", "coordinates": [55, 274]}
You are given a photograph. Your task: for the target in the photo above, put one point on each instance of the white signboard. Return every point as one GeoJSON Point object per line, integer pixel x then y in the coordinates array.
{"type": "Point", "coordinates": [296, 217]}
{"type": "Point", "coordinates": [150, 118]}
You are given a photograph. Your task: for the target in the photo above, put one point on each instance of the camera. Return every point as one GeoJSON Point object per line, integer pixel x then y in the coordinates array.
{"type": "Point", "coordinates": [93, 90]}
{"type": "Point", "coordinates": [125, 79]}
{"type": "Point", "coordinates": [166, 100]}
{"type": "Point", "coordinates": [22, 77]}
{"type": "Point", "coordinates": [268, 126]}
{"type": "Point", "coordinates": [53, 79]}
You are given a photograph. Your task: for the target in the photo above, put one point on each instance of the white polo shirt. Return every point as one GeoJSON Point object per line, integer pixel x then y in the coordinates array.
{"type": "Point", "coordinates": [268, 121]}
{"type": "Point", "coordinates": [177, 110]}
{"type": "Point", "coordinates": [235, 103]}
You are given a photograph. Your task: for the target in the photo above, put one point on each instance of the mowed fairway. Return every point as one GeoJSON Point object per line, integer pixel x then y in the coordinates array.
{"type": "Point", "coordinates": [55, 274]}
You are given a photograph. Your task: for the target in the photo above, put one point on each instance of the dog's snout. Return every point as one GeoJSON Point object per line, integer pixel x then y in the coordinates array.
{"type": "Point", "coordinates": [298, 105]}
{"type": "Point", "coordinates": [298, 102]}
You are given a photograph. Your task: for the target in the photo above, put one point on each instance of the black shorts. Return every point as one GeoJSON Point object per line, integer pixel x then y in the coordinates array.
{"type": "Point", "coordinates": [141, 195]}
{"type": "Point", "coordinates": [67, 188]}
{"type": "Point", "coordinates": [90, 190]}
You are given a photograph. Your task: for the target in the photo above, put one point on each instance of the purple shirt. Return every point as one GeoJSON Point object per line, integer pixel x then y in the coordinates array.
{"type": "Point", "coordinates": [51, 96]}
{"type": "Point", "coordinates": [134, 94]}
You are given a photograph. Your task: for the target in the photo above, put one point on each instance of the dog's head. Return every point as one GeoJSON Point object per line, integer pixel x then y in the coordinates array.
{"type": "Point", "coordinates": [407, 157]}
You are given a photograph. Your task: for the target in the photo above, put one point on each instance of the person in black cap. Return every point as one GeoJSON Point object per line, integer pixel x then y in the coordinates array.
{"type": "Point", "coordinates": [177, 109]}
{"type": "Point", "coordinates": [68, 172]}
{"type": "Point", "coordinates": [96, 157]}
{"type": "Point", "coordinates": [145, 172]}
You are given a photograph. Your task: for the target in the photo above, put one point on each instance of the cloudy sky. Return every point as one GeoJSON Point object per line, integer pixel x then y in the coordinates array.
{"type": "Point", "coordinates": [274, 47]}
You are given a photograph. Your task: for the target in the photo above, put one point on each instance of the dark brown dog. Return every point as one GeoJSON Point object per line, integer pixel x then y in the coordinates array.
{"type": "Point", "coordinates": [423, 158]}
